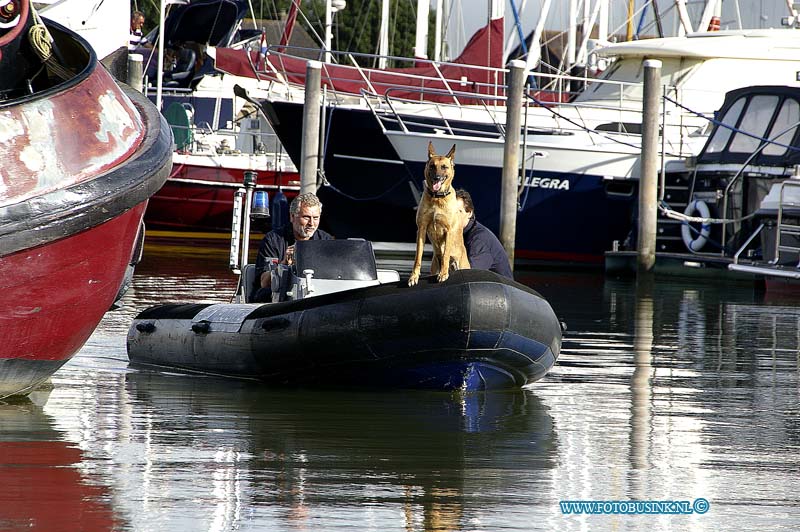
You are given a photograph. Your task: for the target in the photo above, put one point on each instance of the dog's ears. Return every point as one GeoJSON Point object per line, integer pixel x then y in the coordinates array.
{"type": "Point", "coordinates": [450, 155]}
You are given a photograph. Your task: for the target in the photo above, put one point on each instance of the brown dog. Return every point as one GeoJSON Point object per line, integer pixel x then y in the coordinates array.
{"type": "Point", "coordinates": [437, 217]}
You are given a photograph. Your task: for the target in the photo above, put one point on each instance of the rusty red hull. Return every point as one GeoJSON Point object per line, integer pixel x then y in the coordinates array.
{"type": "Point", "coordinates": [198, 195]}
{"type": "Point", "coordinates": [53, 296]}
{"type": "Point", "coordinates": [80, 161]}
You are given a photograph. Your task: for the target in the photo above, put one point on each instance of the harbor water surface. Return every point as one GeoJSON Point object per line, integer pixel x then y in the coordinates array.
{"type": "Point", "coordinates": [682, 391]}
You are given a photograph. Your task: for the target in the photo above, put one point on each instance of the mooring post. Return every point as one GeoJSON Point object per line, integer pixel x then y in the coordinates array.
{"type": "Point", "coordinates": [508, 197]}
{"type": "Point", "coordinates": [135, 71]}
{"type": "Point", "coordinates": [648, 180]}
{"type": "Point", "coordinates": [309, 151]}
{"type": "Point", "coordinates": [250, 179]}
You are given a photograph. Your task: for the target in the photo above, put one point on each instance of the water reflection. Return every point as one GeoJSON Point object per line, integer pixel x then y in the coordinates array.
{"type": "Point", "coordinates": [706, 375]}
{"type": "Point", "coordinates": [675, 390]}
{"type": "Point", "coordinates": [44, 487]}
{"type": "Point", "coordinates": [641, 390]}
{"type": "Point", "coordinates": [293, 456]}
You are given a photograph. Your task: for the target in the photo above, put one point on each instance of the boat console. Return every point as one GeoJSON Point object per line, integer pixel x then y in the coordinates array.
{"type": "Point", "coordinates": [327, 266]}
{"type": "Point", "coordinates": [320, 267]}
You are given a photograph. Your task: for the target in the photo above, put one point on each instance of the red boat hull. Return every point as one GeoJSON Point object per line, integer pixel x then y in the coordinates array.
{"type": "Point", "coordinates": [81, 158]}
{"type": "Point", "coordinates": [53, 296]}
{"type": "Point", "coordinates": [200, 198]}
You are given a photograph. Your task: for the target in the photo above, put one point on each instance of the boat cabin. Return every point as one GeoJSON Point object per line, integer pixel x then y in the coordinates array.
{"type": "Point", "coordinates": [737, 201]}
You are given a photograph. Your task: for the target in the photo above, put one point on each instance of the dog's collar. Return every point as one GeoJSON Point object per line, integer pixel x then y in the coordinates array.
{"type": "Point", "coordinates": [437, 194]}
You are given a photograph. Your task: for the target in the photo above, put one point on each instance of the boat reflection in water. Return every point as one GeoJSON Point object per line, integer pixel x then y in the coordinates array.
{"type": "Point", "coordinates": [44, 486]}
{"type": "Point", "coordinates": [671, 391]}
{"type": "Point", "coordinates": [282, 457]}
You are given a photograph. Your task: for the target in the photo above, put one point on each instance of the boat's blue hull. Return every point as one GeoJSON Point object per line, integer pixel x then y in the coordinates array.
{"type": "Point", "coordinates": [567, 218]}
{"type": "Point", "coordinates": [564, 217]}
{"type": "Point", "coordinates": [476, 331]}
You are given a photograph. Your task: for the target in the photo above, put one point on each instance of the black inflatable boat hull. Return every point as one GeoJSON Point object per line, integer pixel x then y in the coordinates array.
{"type": "Point", "coordinates": [476, 331]}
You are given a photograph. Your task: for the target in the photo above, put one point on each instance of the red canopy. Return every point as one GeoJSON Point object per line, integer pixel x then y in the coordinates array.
{"type": "Point", "coordinates": [463, 75]}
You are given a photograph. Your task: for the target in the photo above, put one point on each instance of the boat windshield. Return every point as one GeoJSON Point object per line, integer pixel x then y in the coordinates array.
{"type": "Point", "coordinates": [752, 122]}
{"type": "Point", "coordinates": [626, 77]}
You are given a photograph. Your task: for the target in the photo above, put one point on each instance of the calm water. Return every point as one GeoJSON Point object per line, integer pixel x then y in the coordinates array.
{"type": "Point", "coordinates": [677, 392]}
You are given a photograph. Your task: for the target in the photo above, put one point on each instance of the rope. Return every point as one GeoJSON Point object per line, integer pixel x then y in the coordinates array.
{"type": "Point", "coordinates": [353, 198]}
{"type": "Point", "coordinates": [39, 39]}
{"type": "Point", "coordinates": [42, 43]}
{"type": "Point", "coordinates": [321, 171]}
{"type": "Point", "coordinates": [667, 211]}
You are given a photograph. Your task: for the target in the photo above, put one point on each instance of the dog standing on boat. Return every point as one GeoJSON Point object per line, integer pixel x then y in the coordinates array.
{"type": "Point", "coordinates": [437, 217]}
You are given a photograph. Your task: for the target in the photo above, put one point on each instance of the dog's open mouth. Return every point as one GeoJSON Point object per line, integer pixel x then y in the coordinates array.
{"type": "Point", "coordinates": [437, 183]}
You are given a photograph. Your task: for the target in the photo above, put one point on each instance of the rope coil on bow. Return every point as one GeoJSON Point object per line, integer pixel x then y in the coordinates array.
{"type": "Point", "coordinates": [42, 43]}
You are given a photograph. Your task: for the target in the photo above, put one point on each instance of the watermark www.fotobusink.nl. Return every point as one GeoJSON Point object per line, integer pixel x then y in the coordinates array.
{"type": "Point", "coordinates": [698, 506]}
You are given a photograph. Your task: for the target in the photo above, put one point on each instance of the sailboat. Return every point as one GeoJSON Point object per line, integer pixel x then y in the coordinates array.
{"type": "Point", "coordinates": [581, 157]}
{"type": "Point", "coordinates": [218, 135]}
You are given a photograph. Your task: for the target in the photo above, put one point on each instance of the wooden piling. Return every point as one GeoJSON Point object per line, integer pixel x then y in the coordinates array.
{"type": "Point", "coordinates": [510, 182]}
{"type": "Point", "coordinates": [648, 180]}
{"type": "Point", "coordinates": [135, 71]}
{"type": "Point", "coordinates": [309, 154]}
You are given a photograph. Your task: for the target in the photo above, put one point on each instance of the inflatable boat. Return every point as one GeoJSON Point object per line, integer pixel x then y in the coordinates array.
{"type": "Point", "coordinates": [338, 320]}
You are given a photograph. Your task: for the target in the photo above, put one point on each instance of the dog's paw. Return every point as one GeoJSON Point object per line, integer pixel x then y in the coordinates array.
{"type": "Point", "coordinates": [443, 276]}
{"type": "Point", "coordinates": [413, 279]}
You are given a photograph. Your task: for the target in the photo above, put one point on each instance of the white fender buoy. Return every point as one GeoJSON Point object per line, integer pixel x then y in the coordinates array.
{"type": "Point", "coordinates": [696, 243]}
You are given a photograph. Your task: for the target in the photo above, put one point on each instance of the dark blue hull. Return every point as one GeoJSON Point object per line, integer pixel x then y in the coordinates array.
{"type": "Point", "coordinates": [476, 331]}
{"type": "Point", "coordinates": [369, 192]}
{"type": "Point", "coordinates": [372, 194]}
{"type": "Point", "coordinates": [575, 224]}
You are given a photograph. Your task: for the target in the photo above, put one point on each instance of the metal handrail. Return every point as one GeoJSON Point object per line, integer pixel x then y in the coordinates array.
{"type": "Point", "coordinates": [764, 144]}
{"type": "Point", "coordinates": [747, 243]}
{"type": "Point", "coordinates": [780, 225]}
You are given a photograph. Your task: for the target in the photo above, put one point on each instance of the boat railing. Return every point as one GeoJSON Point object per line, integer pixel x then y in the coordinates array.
{"type": "Point", "coordinates": [563, 118]}
{"type": "Point", "coordinates": [284, 63]}
{"type": "Point", "coordinates": [747, 243]}
{"type": "Point", "coordinates": [458, 80]}
{"type": "Point", "coordinates": [729, 188]}
{"type": "Point", "coordinates": [207, 141]}
{"type": "Point", "coordinates": [475, 85]}
{"type": "Point", "coordinates": [784, 228]}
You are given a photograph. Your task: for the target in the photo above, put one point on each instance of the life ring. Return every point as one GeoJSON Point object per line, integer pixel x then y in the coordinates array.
{"type": "Point", "coordinates": [696, 243]}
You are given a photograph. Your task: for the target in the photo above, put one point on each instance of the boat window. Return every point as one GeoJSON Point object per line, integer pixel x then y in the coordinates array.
{"type": "Point", "coordinates": [755, 121]}
{"type": "Point", "coordinates": [352, 260]}
{"type": "Point", "coordinates": [631, 71]}
{"type": "Point", "coordinates": [784, 128]}
{"type": "Point", "coordinates": [721, 135]}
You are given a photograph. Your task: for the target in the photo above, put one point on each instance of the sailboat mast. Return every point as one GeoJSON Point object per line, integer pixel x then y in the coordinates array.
{"type": "Point", "coordinates": [437, 38]}
{"type": "Point", "coordinates": [383, 42]}
{"type": "Point", "coordinates": [683, 15]}
{"type": "Point", "coordinates": [572, 34]}
{"type": "Point", "coordinates": [421, 40]}
{"type": "Point", "coordinates": [160, 73]}
{"type": "Point", "coordinates": [713, 9]}
{"type": "Point", "coordinates": [602, 21]}
{"type": "Point", "coordinates": [535, 50]}
{"type": "Point", "coordinates": [328, 29]}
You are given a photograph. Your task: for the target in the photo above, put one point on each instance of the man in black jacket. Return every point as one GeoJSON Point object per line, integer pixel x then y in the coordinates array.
{"type": "Point", "coordinates": [304, 215]}
{"type": "Point", "coordinates": [484, 250]}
